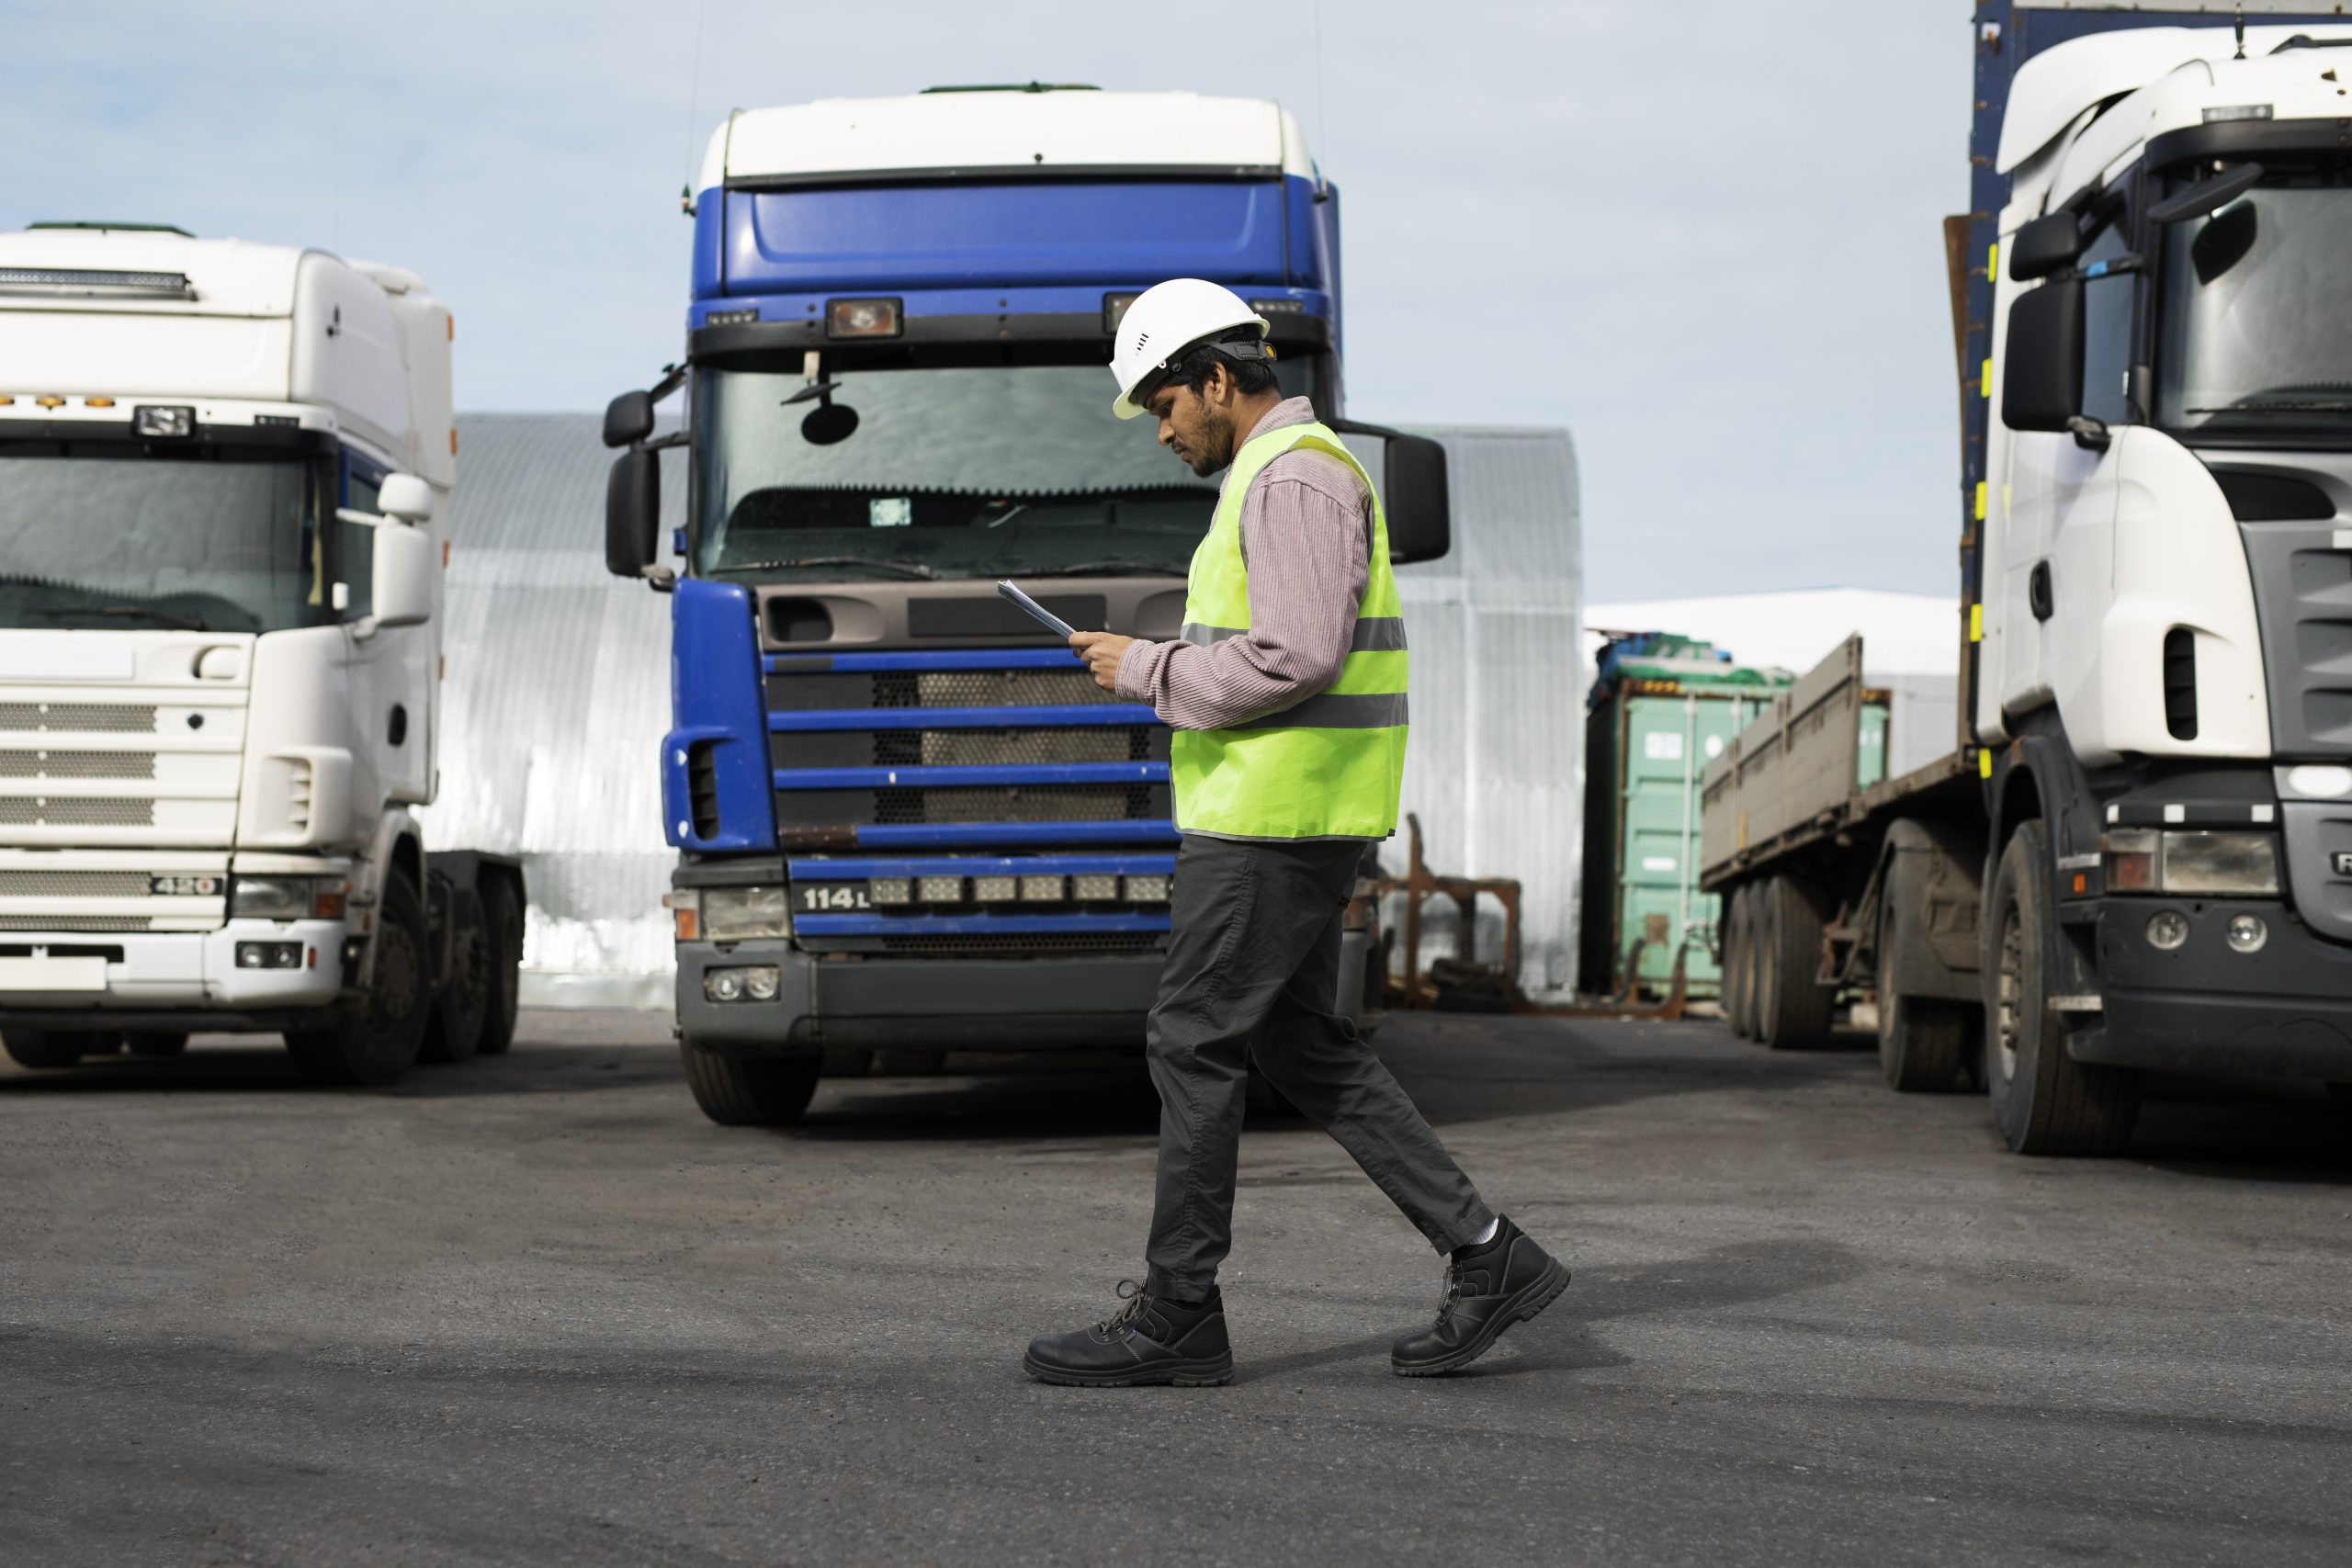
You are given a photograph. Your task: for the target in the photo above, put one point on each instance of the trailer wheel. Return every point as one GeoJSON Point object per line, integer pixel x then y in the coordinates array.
{"type": "Point", "coordinates": [1921, 1040]}
{"type": "Point", "coordinates": [501, 919]}
{"type": "Point", "coordinates": [2044, 1101]}
{"type": "Point", "coordinates": [453, 1031]}
{"type": "Point", "coordinates": [155, 1041]}
{"type": "Point", "coordinates": [45, 1047]}
{"type": "Point", "coordinates": [1739, 977]}
{"type": "Point", "coordinates": [1798, 1016]}
{"type": "Point", "coordinates": [750, 1091]}
{"type": "Point", "coordinates": [376, 1040]}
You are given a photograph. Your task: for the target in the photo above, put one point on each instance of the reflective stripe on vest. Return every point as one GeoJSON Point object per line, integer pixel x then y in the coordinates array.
{"type": "Point", "coordinates": [1331, 765]}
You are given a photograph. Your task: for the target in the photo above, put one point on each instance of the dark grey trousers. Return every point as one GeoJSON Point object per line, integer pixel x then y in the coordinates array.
{"type": "Point", "coordinates": [1253, 972]}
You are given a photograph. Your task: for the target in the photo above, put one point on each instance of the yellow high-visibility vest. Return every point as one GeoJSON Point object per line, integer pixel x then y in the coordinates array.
{"type": "Point", "coordinates": [1330, 766]}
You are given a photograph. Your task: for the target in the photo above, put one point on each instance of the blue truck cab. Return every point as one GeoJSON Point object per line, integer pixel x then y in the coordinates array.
{"type": "Point", "coordinates": [906, 817]}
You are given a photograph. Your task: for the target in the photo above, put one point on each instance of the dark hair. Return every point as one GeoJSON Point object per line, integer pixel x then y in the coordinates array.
{"type": "Point", "coordinates": [1251, 376]}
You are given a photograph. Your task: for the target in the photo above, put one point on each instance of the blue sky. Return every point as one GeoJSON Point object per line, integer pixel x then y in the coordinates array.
{"type": "Point", "coordinates": [1701, 236]}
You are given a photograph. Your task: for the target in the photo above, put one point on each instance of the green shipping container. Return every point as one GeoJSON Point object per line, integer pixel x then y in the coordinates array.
{"type": "Point", "coordinates": [1661, 708]}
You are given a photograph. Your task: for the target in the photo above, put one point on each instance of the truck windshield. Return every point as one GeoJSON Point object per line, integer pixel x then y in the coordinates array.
{"type": "Point", "coordinates": [213, 543]}
{"type": "Point", "coordinates": [961, 471]}
{"type": "Point", "coordinates": [2255, 338]}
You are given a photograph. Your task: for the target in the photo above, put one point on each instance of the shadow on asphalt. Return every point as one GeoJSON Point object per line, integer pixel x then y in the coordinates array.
{"type": "Point", "coordinates": [250, 1067]}
{"type": "Point", "coordinates": [1562, 1338]}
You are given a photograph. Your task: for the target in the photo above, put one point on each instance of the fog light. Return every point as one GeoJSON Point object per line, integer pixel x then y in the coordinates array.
{"type": "Point", "coordinates": [761, 983]}
{"type": "Point", "coordinates": [1148, 889]}
{"type": "Point", "coordinates": [1094, 888]}
{"type": "Point", "coordinates": [723, 984]}
{"type": "Point", "coordinates": [269, 955]}
{"type": "Point", "coordinates": [891, 890]}
{"type": "Point", "coordinates": [2168, 929]}
{"type": "Point", "coordinates": [2246, 932]}
{"type": "Point", "coordinates": [993, 889]}
{"type": "Point", "coordinates": [941, 890]}
{"type": "Point", "coordinates": [1041, 889]}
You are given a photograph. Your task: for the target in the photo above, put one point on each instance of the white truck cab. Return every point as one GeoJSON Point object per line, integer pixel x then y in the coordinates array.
{"type": "Point", "coordinates": [225, 472]}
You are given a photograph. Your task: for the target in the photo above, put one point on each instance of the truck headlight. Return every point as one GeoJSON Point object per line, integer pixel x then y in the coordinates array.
{"type": "Point", "coordinates": [733, 914]}
{"type": "Point", "coordinates": [2190, 861]}
{"type": "Point", "coordinates": [287, 898]}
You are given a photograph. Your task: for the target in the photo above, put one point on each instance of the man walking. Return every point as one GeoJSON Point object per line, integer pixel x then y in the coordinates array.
{"type": "Point", "coordinates": [1287, 696]}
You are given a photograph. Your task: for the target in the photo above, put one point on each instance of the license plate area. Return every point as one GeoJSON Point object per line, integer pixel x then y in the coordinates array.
{"type": "Point", "coordinates": [42, 973]}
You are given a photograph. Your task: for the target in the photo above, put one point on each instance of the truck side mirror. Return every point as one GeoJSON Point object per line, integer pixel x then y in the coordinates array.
{"type": "Point", "coordinates": [1419, 506]}
{"type": "Point", "coordinates": [632, 510]}
{"type": "Point", "coordinates": [402, 594]}
{"type": "Point", "coordinates": [628, 419]}
{"type": "Point", "coordinates": [406, 497]}
{"type": "Point", "coordinates": [1413, 491]}
{"type": "Point", "coordinates": [2041, 386]}
{"type": "Point", "coordinates": [2044, 247]}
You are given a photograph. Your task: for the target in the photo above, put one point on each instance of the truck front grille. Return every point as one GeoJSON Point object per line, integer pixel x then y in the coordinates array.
{"type": "Point", "coordinates": [17, 884]}
{"type": "Point", "coordinates": [117, 718]}
{"type": "Point", "coordinates": [76, 923]}
{"type": "Point", "coordinates": [78, 764]}
{"type": "Point", "coordinates": [76, 812]}
{"type": "Point", "coordinates": [1021, 803]}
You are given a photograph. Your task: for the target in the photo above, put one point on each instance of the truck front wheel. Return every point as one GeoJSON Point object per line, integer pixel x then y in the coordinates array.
{"type": "Point", "coordinates": [2044, 1101]}
{"type": "Point", "coordinates": [750, 1091]}
{"type": "Point", "coordinates": [376, 1040]}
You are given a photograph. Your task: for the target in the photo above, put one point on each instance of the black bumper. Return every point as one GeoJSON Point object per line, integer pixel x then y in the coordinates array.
{"type": "Point", "coordinates": [938, 1004]}
{"type": "Point", "coordinates": [2284, 1010]}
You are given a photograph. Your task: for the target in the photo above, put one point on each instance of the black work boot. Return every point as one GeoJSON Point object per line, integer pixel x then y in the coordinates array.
{"type": "Point", "coordinates": [1150, 1339]}
{"type": "Point", "coordinates": [1488, 1289]}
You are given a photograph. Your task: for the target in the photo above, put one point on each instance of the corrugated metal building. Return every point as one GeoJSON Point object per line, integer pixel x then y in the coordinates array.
{"type": "Point", "coordinates": [558, 695]}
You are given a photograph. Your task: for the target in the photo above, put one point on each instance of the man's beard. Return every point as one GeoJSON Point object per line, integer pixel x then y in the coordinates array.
{"type": "Point", "coordinates": [1216, 451]}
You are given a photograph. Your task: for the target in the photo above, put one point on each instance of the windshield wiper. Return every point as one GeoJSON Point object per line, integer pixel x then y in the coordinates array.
{"type": "Point", "coordinates": [167, 617]}
{"type": "Point", "coordinates": [905, 568]}
{"type": "Point", "coordinates": [1106, 569]}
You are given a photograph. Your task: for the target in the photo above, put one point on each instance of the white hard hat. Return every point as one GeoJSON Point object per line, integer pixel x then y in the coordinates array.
{"type": "Point", "coordinates": [1165, 320]}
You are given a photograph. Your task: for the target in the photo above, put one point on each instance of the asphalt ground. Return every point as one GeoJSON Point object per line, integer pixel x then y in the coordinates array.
{"type": "Point", "coordinates": [537, 1310]}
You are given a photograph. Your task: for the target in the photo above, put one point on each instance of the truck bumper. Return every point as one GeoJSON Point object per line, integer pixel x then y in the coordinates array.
{"type": "Point", "coordinates": [939, 1004]}
{"type": "Point", "coordinates": [178, 973]}
{"type": "Point", "coordinates": [2284, 1010]}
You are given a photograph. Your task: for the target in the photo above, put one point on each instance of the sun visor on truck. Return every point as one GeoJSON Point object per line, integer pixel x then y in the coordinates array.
{"type": "Point", "coordinates": [1011, 235]}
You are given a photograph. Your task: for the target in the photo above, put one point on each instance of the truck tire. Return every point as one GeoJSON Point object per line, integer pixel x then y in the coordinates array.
{"type": "Point", "coordinates": [2044, 1101]}
{"type": "Point", "coordinates": [375, 1040]}
{"type": "Point", "coordinates": [750, 1091]}
{"type": "Point", "coordinates": [155, 1041]}
{"type": "Point", "coordinates": [45, 1047]}
{"type": "Point", "coordinates": [1921, 1040]}
{"type": "Point", "coordinates": [1739, 974]}
{"type": "Point", "coordinates": [1788, 959]}
{"type": "Point", "coordinates": [453, 1030]}
{"type": "Point", "coordinates": [501, 918]}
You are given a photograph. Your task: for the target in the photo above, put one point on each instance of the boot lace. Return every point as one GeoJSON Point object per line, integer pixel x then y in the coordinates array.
{"type": "Point", "coordinates": [1134, 1297]}
{"type": "Point", "coordinates": [1452, 1293]}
